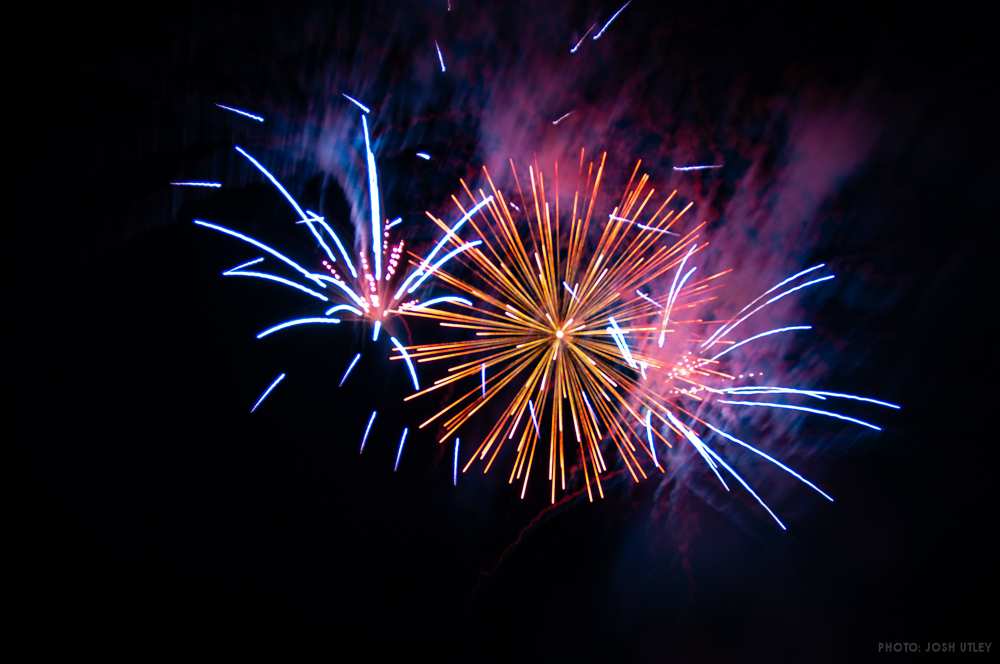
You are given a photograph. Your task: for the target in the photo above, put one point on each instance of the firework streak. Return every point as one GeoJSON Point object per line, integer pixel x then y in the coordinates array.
{"type": "Point", "coordinates": [568, 352]}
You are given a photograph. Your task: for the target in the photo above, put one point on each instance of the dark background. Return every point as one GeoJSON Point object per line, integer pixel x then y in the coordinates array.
{"type": "Point", "coordinates": [151, 513]}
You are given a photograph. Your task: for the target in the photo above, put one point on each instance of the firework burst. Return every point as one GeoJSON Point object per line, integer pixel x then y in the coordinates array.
{"type": "Point", "coordinates": [551, 318]}
{"type": "Point", "coordinates": [361, 288]}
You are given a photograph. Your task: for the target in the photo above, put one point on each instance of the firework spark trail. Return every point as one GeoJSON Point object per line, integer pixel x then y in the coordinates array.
{"type": "Point", "coordinates": [355, 102]}
{"type": "Point", "coordinates": [198, 183]}
{"type": "Point", "coordinates": [409, 362]}
{"type": "Point", "coordinates": [350, 367]}
{"type": "Point", "coordinates": [368, 428]}
{"type": "Point", "coordinates": [610, 20]}
{"type": "Point", "coordinates": [561, 118]}
{"type": "Point", "coordinates": [311, 320]}
{"type": "Point", "coordinates": [246, 114]}
{"type": "Point", "coordinates": [399, 453]}
{"type": "Point", "coordinates": [373, 195]}
{"type": "Point", "coordinates": [768, 404]}
{"type": "Point", "coordinates": [767, 389]}
{"type": "Point", "coordinates": [440, 300]}
{"type": "Point", "coordinates": [424, 156]}
{"type": "Point", "coordinates": [266, 392]}
{"type": "Point", "coordinates": [576, 46]}
{"type": "Point", "coordinates": [343, 307]}
{"type": "Point", "coordinates": [698, 167]}
{"type": "Point", "coordinates": [250, 262]}
{"type": "Point", "coordinates": [649, 437]}
{"type": "Point", "coordinates": [760, 336]}
{"type": "Point", "coordinates": [440, 56]}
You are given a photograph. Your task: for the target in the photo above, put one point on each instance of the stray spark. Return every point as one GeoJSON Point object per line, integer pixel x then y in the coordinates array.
{"type": "Point", "coordinates": [399, 452]}
{"type": "Point", "coordinates": [409, 363]}
{"type": "Point", "coordinates": [804, 409]}
{"type": "Point", "coordinates": [442, 300]}
{"type": "Point", "coordinates": [698, 167]}
{"type": "Point", "coordinates": [364, 438]}
{"type": "Point", "coordinates": [373, 195]}
{"type": "Point", "coordinates": [355, 102]}
{"type": "Point", "coordinates": [196, 183]}
{"type": "Point", "coordinates": [268, 391]}
{"type": "Point", "coordinates": [440, 57]}
{"type": "Point", "coordinates": [561, 118]}
{"type": "Point", "coordinates": [247, 114]}
{"type": "Point", "coordinates": [349, 368]}
{"type": "Point", "coordinates": [424, 155]}
{"type": "Point", "coordinates": [295, 322]}
{"type": "Point", "coordinates": [613, 17]}
{"type": "Point", "coordinates": [577, 45]}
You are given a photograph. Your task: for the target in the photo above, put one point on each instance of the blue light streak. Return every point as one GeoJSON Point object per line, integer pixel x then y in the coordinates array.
{"type": "Point", "coordinates": [443, 299]}
{"type": "Point", "coordinates": [534, 420]}
{"type": "Point", "coordinates": [350, 367]}
{"type": "Point", "coordinates": [296, 322]}
{"type": "Point", "coordinates": [268, 391]}
{"type": "Point", "coordinates": [613, 17]}
{"type": "Point", "coordinates": [364, 439]}
{"type": "Point", "coordinates": [399, 452]}
{"type": "Point", "coordinates": [763, 334]}
{"type": "Point", "coordinates": [826, 413]}
{"type": "Point", "coordinates": [440, 57]}
{"type": "Point", "coordinates": [197, 183]}
{"type": "Point", "coordinates": [373, 196]}
{"type": "Point", "coordinates": [355, 102]}
{"type": "Point", "coordinates": [576, 46]}
{"type": "Point", "coordinates": [406, 358]}
{"type": "Point", "coordinates": [344, 307]}
{"type": "Point", "coordinates": [245, 114]}
{"type": "Point", "coordinates": [699, 167]}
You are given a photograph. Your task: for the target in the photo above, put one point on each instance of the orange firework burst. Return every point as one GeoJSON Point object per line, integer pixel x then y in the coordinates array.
{"type": "Point", "coordinates": [550, 308]}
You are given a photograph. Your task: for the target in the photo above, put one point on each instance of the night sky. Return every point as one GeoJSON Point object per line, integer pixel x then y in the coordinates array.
{"type": "Point", "coordinates": [152, 513]}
